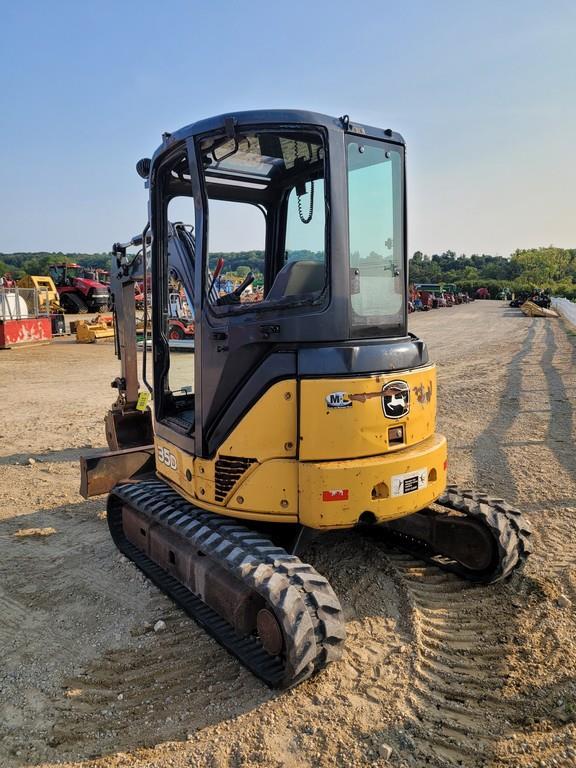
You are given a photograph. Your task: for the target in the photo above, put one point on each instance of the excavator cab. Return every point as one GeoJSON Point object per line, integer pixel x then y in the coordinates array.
{"type": "Point", "coordinates": [307, 405]}
{"type": "Point", "coordinates": [326, 200]}
{"type": "Point", "coordinates": [285, 181]}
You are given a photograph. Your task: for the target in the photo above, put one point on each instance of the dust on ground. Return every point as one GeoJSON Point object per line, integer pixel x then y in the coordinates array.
{"type": "Point", "coordinates": [442, 672]}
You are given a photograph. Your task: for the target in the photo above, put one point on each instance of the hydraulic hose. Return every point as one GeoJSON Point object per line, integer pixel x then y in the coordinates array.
{"type": "Point", "coordinates": [145, 273]}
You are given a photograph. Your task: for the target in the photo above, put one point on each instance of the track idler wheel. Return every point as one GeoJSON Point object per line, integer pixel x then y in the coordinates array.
{"type": "Point", "coordinates": [480, 538]}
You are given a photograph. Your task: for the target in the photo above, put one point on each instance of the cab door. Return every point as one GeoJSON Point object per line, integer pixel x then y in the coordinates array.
{"type": "Point", "coordinates": [260, 289]}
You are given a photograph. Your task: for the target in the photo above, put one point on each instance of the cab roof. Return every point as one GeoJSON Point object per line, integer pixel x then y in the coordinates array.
{"type": "Point", "coordinates": [280, 117]}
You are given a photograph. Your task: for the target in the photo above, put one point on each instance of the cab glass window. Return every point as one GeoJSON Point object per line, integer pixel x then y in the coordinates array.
{"type": "Point", "coordinates": [242, 227]}
{"type": "Point", "coordinates": [266, 220]}
{"type": "Point", "coordinates": [305, 227]}
{"type": "Point", "coordinates": [175, 314]}
{"type": "Point", "coordinates": [376, 232]}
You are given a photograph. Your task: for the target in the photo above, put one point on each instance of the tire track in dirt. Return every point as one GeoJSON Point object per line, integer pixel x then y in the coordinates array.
{"type": "Point", "coordinates": [454, 705]}
{"type": "Point", "coordinates": [489, 442]}
{"type": "Point", "coordinates": [378, 633]}
{"type": "Point", "coordinates": [555, 550]}
{"type": "Point", "coordinates": [13, 617]}
{"type": "Point", "coordinates": [549, 749]}
{"type": "Point", "coordinates": [459, 700]}
{"type": "Point", "coordinates": [140, 696]}
{"type": "Point", "coordinates": [542, 730]}
{"type": "Point", "coordinates": [34, 608]}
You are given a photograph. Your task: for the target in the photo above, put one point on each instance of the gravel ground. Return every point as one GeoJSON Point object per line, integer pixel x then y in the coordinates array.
{"type": "Point", "coordinates": [436, 672]}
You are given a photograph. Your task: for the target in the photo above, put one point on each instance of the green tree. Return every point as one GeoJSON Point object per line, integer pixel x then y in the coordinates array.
{"type": "Point", "coordinates": [544, 266]}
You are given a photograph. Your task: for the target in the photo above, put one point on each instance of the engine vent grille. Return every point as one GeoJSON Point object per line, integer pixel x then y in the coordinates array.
{"type": "Point", "coordinates": [229, 470]}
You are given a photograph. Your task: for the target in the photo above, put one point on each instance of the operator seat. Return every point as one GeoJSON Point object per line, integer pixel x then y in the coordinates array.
{"type": "Point", "coordinates": [297, 278]}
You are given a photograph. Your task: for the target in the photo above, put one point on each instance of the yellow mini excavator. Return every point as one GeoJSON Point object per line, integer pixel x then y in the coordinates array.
{"type": "Point", "coordinates": [307, 406]}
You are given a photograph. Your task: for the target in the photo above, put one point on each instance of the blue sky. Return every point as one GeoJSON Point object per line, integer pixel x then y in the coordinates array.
{"type": "Point", "coordinates": [484, 93]}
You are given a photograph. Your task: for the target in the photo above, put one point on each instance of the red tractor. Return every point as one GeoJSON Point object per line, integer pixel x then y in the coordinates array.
{"type": "Point", "coordinates": [78, 293]}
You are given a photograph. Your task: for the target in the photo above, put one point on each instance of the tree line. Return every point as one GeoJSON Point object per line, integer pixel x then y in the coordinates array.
{"type": "Point", "coordinates": [37, 263]}
{"type": "Point", "coordinates": [552, 269]}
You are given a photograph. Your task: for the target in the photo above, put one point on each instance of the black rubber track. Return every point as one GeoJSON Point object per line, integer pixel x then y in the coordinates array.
{"type": "Point", "coordinates": [302, 600]}
{"type": "Point", "coordinates": [509, 529]}
{"type": "Point", "coordinates": [74, 303]}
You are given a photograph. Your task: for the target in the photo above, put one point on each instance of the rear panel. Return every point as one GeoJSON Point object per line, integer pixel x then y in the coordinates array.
{"type": "Point", "coordinates": [343, 418]}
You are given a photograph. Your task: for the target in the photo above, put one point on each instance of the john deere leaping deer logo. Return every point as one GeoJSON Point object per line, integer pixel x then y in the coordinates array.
{"type": "Point", "coordinates": [395, 399]}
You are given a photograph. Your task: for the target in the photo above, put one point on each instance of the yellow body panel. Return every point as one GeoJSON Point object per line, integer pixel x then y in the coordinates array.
{"type": "Point", "coordinates": [267, 491]}
{"type": "Point", "coordinates": [270, 487]}
{"type": "Point", "coordinates": [268, 430]}
{"type": "Point", "coordinates": [334, 494]}
{"type": "Point", "coordinates": [345, 466]}
{"type": "Point", "coordinates": [361, 429]}
{"type": "Point", "coordinates": [175, 465]}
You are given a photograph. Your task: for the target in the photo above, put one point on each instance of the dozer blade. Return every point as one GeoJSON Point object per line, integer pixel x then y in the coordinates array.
{"type": "Point", "coordinates": [100, 472]}
{"type": "Point", "coordinates": [479, 538]}
{"type": "Point", "coordinates": [276, 614]}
